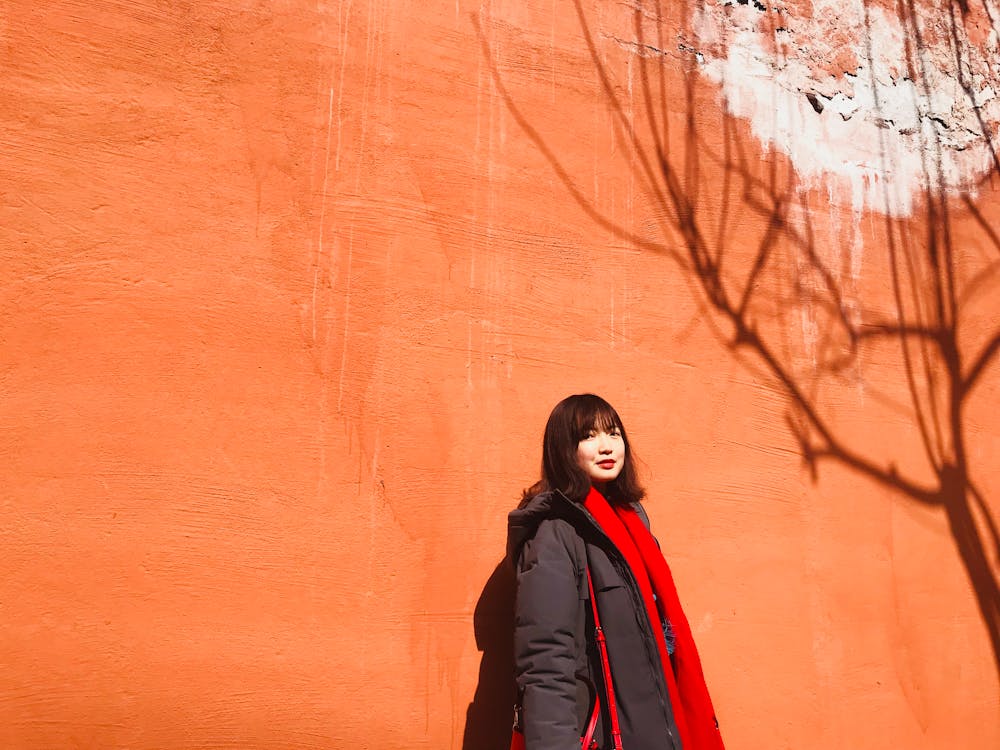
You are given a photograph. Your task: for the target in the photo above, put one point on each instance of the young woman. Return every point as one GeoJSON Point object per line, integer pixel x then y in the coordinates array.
{"type": "Point", "coordinates": [584, 513]}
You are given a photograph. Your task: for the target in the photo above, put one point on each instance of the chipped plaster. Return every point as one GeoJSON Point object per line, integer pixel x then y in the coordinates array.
{"type": "Point", "coordinates": [845, 90]}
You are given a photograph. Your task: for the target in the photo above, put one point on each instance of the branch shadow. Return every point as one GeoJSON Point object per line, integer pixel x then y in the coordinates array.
{"type": "Point", "coordinates": [748, 301]}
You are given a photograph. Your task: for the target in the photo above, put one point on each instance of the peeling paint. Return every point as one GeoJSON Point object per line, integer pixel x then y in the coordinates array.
{"type": "Point", "coordinates": [882, 106]}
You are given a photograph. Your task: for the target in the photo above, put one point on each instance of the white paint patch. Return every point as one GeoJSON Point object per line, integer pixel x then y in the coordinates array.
{"type": "Point", "coordinates": [848, 94]}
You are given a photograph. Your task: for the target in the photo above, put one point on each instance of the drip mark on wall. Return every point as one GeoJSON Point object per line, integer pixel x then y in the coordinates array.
{"type": "Point", "coordinates": [347, 319]}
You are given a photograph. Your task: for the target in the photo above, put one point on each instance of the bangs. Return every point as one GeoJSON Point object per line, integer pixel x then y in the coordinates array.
{"type": "Point", "coordinates": [594, 413]}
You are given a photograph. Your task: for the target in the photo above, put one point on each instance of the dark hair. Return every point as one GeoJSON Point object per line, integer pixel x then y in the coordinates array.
{"type": "Point", "coordinates": [569, 423]}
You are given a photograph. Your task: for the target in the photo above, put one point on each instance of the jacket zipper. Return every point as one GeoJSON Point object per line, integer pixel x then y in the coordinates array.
{"type": "Point", "coordinates": [622, 566]}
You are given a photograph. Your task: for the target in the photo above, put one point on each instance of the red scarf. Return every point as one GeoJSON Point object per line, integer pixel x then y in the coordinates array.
{"type": "Point", "coordinates": [689, 697]}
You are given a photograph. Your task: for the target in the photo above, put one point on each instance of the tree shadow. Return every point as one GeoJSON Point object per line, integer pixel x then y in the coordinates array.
{"type": "Point", "coordinates": [750, 300]}
{"type": "Point", "coordinates": [489, 717]}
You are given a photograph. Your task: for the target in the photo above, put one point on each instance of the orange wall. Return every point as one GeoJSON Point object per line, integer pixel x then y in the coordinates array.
{"type": "Point", "coordinates": [287, 294]}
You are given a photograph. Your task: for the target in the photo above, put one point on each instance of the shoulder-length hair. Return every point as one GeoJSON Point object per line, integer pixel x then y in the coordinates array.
{"type": "Point", "coordinates": [570, 422]}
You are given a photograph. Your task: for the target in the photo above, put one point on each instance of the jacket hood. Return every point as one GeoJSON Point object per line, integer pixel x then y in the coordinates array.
{"type": "Point", "coordinates": [522, 522]}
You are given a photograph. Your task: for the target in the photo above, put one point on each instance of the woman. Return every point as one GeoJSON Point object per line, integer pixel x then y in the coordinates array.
{"type": "Point", "coordinates": [584, 513]}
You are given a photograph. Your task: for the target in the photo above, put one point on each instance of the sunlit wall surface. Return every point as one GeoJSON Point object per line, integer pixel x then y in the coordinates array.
{"type": "Point", "coordinates": [288, 290]}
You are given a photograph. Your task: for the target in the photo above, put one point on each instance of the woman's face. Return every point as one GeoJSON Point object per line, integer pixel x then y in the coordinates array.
{"type": "Point", "coordinates": [601, 454]}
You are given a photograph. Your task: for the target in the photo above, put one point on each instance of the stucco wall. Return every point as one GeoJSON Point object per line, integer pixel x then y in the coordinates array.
{"type": "Point", "coordinates": [289, 288]}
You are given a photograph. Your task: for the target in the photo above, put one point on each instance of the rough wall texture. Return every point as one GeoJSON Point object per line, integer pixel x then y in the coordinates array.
{"type": "Point", "coordinates": [899, 95]}
{"type": "Point", "coordinates": [288, 291]}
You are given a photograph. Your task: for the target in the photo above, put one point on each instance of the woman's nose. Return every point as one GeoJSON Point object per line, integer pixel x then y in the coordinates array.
{"type": "Point", "coordinates": [604, 443]}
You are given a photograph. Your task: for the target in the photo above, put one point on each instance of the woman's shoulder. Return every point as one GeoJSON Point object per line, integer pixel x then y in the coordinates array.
{"type": "Point", "coordinates": [542, 520]}
{"type": "Point", "coordinates": [640, 511]}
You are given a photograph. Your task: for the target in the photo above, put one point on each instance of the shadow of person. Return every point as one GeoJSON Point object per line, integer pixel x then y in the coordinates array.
{"type": "Point", "coordinates": [489, 717]}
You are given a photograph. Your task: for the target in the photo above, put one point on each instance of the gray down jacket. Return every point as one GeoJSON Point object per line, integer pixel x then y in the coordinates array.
{"type": "Point", "coordinates": [549, 542]}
